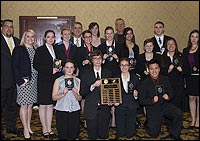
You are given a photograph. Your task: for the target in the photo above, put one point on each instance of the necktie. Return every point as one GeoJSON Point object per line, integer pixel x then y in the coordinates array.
{"type": "Point", "coordinates": [10, 45]}
{"type": "Point", "coordinates": [77, 43]}
{"type": "Point", "coordinates": [98, 77]}
{"type": "Point", "coordinates": [159, 40]}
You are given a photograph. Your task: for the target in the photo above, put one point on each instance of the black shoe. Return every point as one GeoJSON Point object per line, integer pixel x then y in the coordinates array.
{"type": "Point", "coordinates": [27, 138]}
{"type": "Point", "coordinates": [175, 138]}
{"type": "Point", "coordinates": [45, 135]}
{"type": "Point", "coordinates": [52, 135]}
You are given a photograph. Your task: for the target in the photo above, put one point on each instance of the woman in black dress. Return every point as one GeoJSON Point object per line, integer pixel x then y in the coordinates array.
{"type": "Point", "coordinates": [191, 72]}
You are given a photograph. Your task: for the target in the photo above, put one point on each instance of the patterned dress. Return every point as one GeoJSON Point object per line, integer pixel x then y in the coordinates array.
{"type": "Point", "coordinates": [28, 94]}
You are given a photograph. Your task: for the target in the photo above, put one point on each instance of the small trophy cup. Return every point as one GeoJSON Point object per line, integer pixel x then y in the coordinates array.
{"type": "Point", "coordinates": [147, 68]}
{"type": "Point", "coordinates": [131, 87]}
{"type": "Point", "coordinates": [57, 63]}
{"type": "Point", "coordinates": [110, 52]}
{"type": "Point", "coordinates": [159, 90]}
{"type": "Point", "coordinates": [176, 62]}
{"type": "Point", "coordinates": [69, 83]}
{"type": "Point", "coordinates": [195, 70]}
{"type": "Point", "coordinates": [132, 63]}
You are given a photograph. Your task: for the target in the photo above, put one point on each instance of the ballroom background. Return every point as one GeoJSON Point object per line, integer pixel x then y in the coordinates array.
{"type": "Point", "coordinates": [179, 17]}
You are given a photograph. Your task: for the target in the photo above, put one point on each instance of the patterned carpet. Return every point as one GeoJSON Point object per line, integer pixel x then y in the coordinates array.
{"type": "Point", "coordinates": [187, 133]}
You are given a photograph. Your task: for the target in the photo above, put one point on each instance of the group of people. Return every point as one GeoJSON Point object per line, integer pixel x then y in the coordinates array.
{"type": "Point", "coordinates": [162, 76]}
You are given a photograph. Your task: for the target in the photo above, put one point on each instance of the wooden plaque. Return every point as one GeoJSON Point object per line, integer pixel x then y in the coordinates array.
{"type": "Point", "coordinates": [111, 91]}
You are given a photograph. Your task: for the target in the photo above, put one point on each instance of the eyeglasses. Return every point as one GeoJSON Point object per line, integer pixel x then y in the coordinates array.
{"type": "Point", "coordinates": [87, 36]}
{"type": "Point", "coordinates": [124, 65]}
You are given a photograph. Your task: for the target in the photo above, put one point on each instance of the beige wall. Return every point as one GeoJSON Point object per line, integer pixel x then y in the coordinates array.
{"type": "Point", "coordinates": [180, 17]}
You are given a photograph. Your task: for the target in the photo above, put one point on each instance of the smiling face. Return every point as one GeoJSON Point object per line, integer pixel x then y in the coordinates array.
{"type": "Point", "coordinates": [69, 68]}
{"type": "Point", "coordinates": [7, 29]}
{"type": "Point", "coordinates": [154, 70]}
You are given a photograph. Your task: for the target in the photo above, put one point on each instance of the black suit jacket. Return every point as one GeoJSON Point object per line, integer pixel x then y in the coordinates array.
{"type": "Point", "coordinates": [128, 100]}
{"type": "Point", "coordinates": [21, 64]}
{"type": "Point", "coordinates": [7, 76]}
{"type": "Point", "coordinates": [43, 63]}
{"type": "Point", "coordinates": [156, 46]}
{"type": "Point", "coordinates": [92, 98]}
{"type": "Point", "coordinates": [147, 91]}
{"type": "Point", "coordinates": [60, 52]}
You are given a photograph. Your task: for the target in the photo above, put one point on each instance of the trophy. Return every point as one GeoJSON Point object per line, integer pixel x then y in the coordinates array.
{"type": "Point", "coordinates": [147, 68]}
{"type": "Point", "coordinates": [110, 52]}
{"type": "Point", "coordinates": [195, 70]}
{"type": "Point", "coordinates": [131, 87]}
{"type": "Point", "coordinates": [132, 63]}
{"type": "Point", "coordinates": [111, 91]}
{"type": "Point", "coordinates": [176, 62]}
{"type": "Point", "coordinates": [57, 63]}
{"type": "Point", "coordinates": [159, 90]}
{"type": "Point", "coordinates": [69, 83]}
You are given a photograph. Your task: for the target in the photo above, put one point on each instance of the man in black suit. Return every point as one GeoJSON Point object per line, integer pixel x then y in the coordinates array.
{"type": "Point", "coordinates": [155, 94]}
{"type": "Point", "coordinates": [8, 85]}
{"type": "Point", "coordinates": [159, 38]}
{"type": "Point", "coordinates": [97, 116]}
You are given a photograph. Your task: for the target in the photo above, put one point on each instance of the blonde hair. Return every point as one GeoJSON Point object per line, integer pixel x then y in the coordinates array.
{"type": "Point", "coordinates": [22, 43]}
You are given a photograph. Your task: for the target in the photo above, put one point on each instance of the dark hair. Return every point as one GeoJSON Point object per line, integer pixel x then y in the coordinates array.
{"type": "Point", "coordinates": [78, 23]}
{"type": "Point", "coordinates": [124, 59]}
{"type": "Point", "coordinates": [95, 53]}
{"type": "Point", "coordinates": [71, 61]}
{"type": "Point", "coordinates": [93, 24]}
{"type": "Point", "coordinates": [153, 61]}
{"type": "Point", "coordinates": [108, 28]}
{"type": "Point", "coordinates": [189, 44]}
{"type": "Point", "coordinates": [159, 22]}
{"type": "Point", "coordinates": [86, 31]}
{"type": "Point", "coordinates": [6, 20]}
{"type": "Point", "coordinates": [148, 41]}
{"type": "Point", "coordinates": [46, 32]}
{"type": "Point", "coordinates": [126, 30]}
{"type": "Point", "coordinates": [177, 52]}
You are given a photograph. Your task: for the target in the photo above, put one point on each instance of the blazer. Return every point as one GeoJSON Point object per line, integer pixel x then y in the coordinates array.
{"type": "Point", "coordinates": [43, 63]}
{"type": "Point", "coordinates": [92, 98]}
{"type": "Point", "coordinates": [7, 76]}
{"type": "Point", "coordinates": [147, 92]}
{"type": "Point", "coordinates": [128, 100]}
{"type": "Point", "coordinates": [21, 64]}
{"type": "Point", "coordinates": [156, 46]}
{"type": "Point", "coordinates": [60, 50]}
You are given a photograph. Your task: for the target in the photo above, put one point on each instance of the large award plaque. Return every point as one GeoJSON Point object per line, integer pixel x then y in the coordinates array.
{"type": "Point", "coordinates": [111, 91]}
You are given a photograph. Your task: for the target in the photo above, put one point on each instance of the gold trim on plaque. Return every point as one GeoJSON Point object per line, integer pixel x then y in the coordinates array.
{"type": "Point", "coordinates": [111, 91]}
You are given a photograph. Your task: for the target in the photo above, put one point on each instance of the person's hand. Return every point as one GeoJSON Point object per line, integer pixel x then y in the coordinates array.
{"type": "Point", "coordinates": [24, 84]}
{"type": "Point", "coordinates": [165, 96]}
{"type": "Point", "coordinates": [65, 91]}
{"type": "Point", "coordinates": [115, 56]}
{"type": "Point", "coordinates": [171, 67]}
{"type": "Point", "coordinates": [55, 70]}
{"type": "Point", "coordinates": [155, 98]}
{"type": "Point", "coordinates": [97, 83]}
{"type": "Point", "coordinates": [135, 93]}
{"type": "Point", "coordinates": [179, 69]}
{"type": "Point", "coordinates": [116, 104]}
{"type": "Point", "coordinates": [105, 56]}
